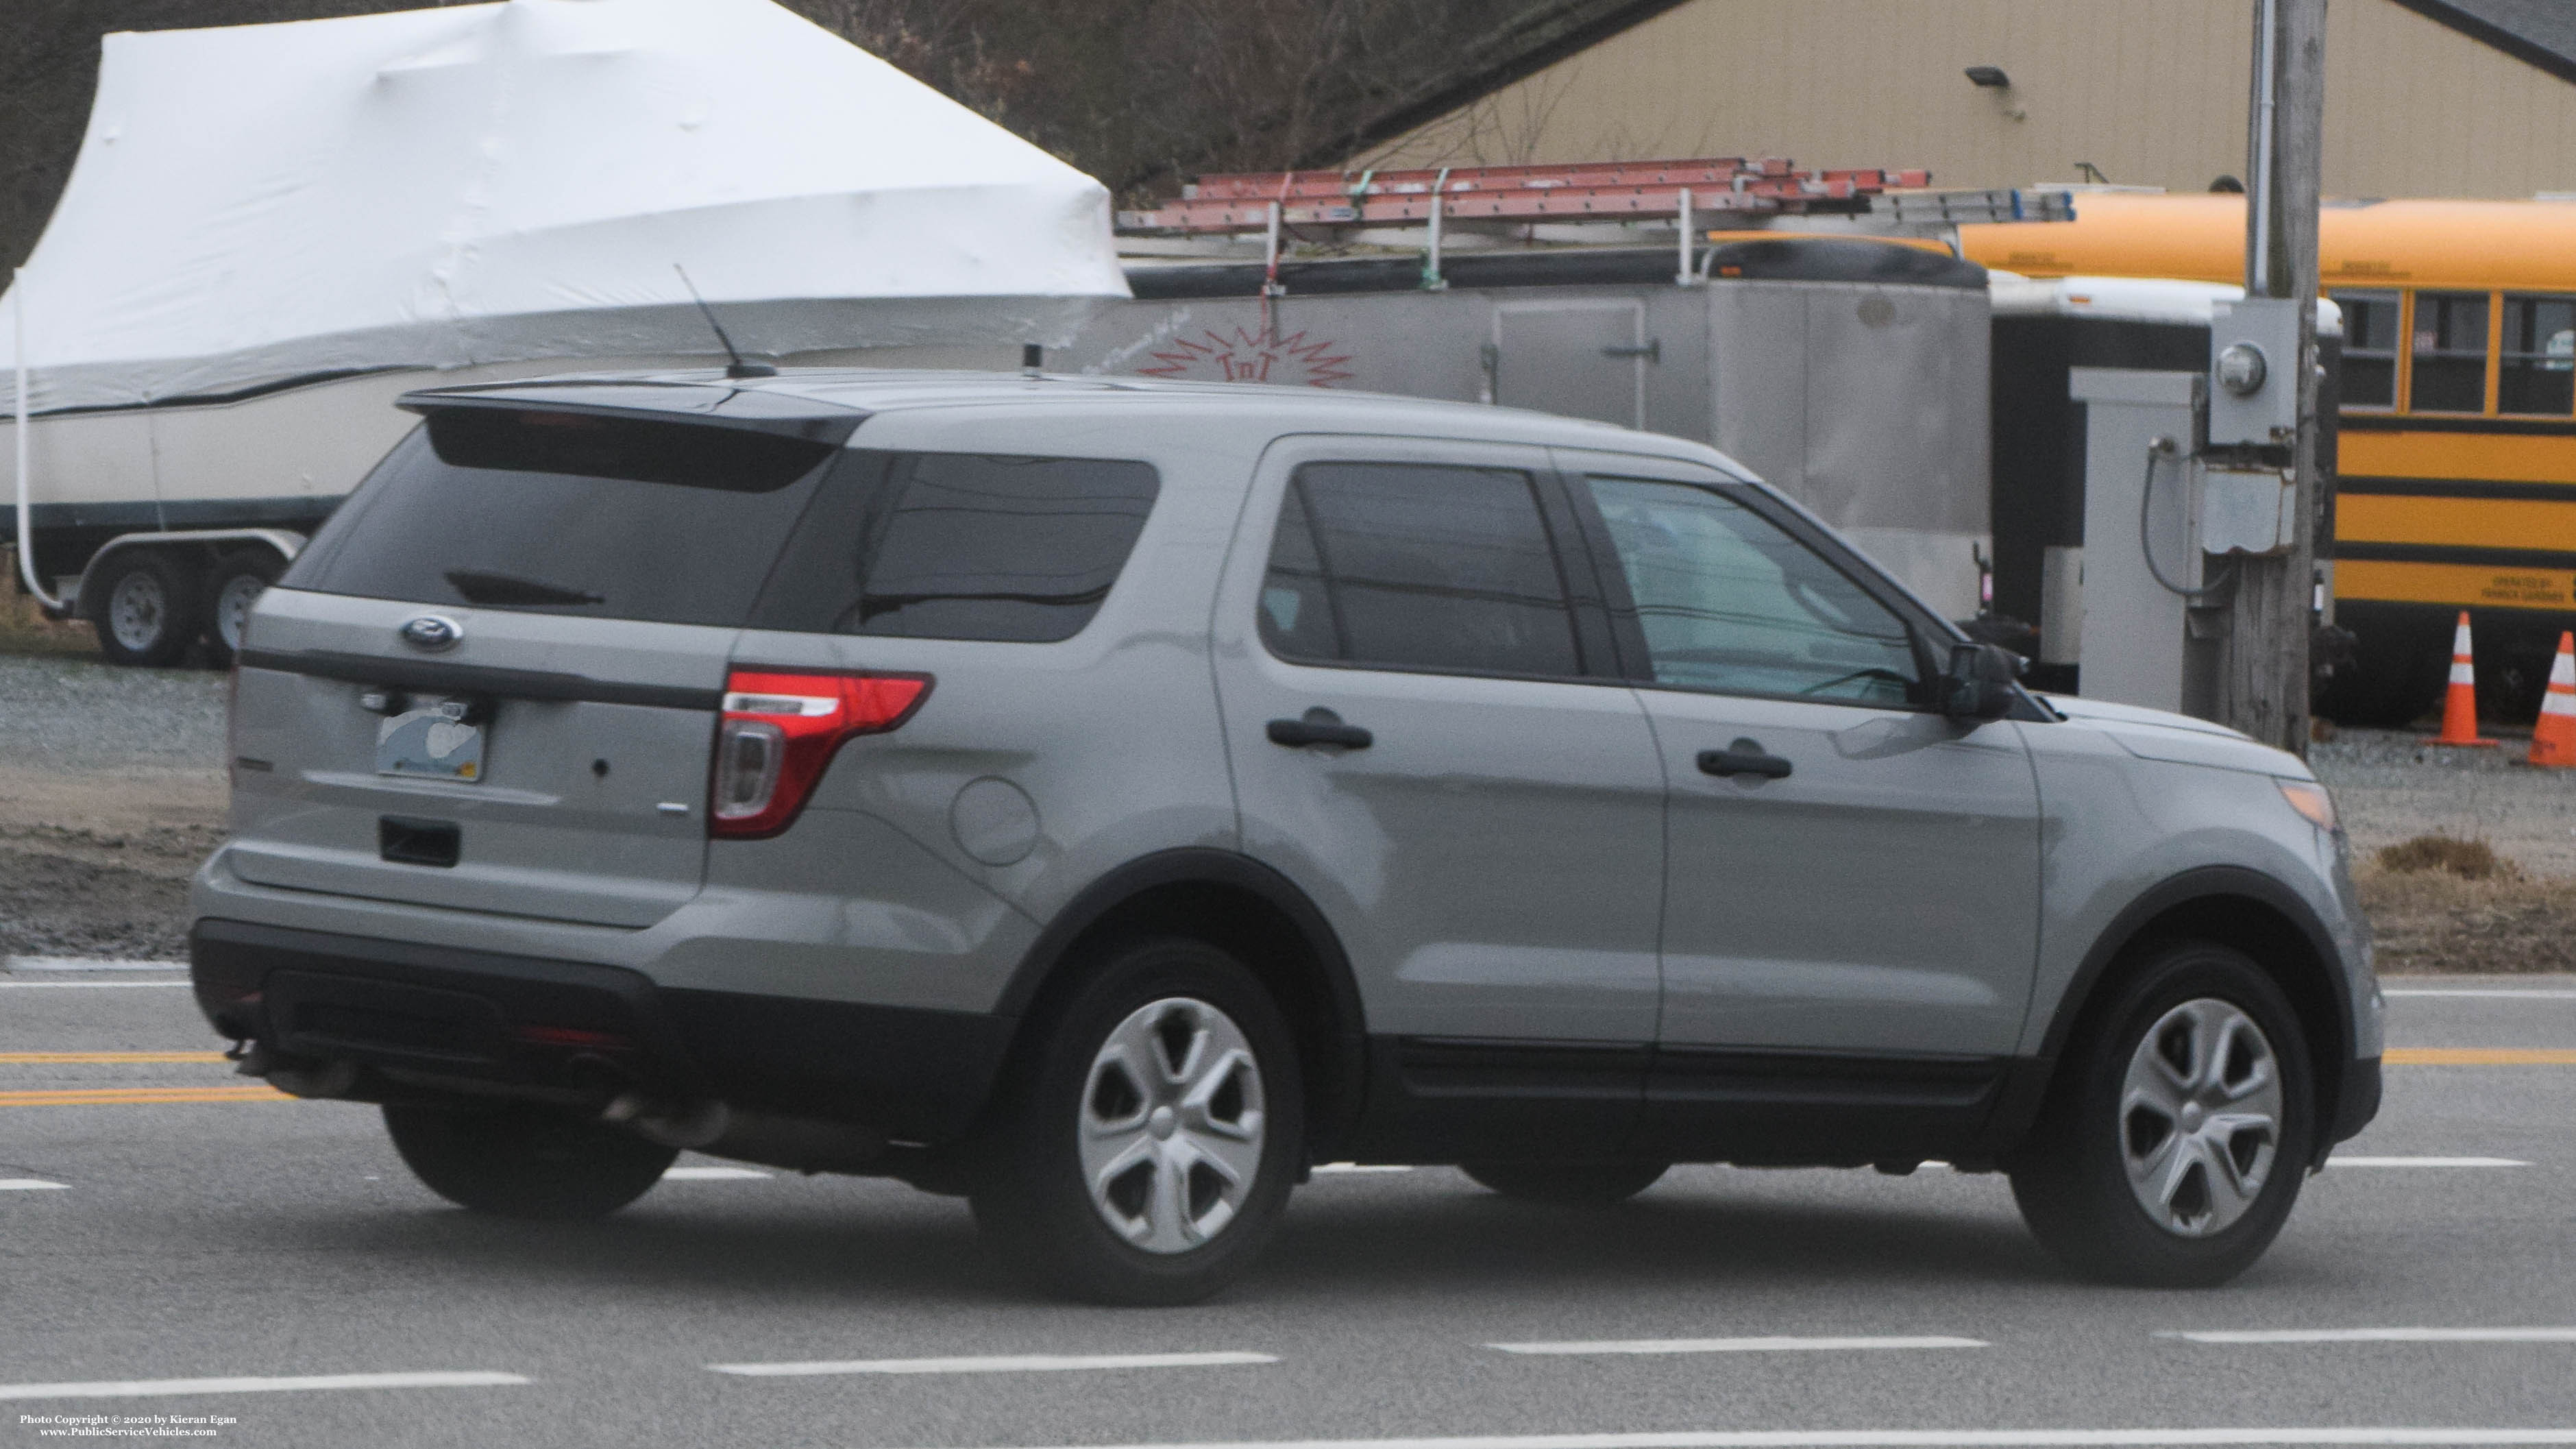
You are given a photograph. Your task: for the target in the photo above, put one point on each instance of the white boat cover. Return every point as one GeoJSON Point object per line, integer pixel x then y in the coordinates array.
{"type": "Point", "coordinates": [502, 182]}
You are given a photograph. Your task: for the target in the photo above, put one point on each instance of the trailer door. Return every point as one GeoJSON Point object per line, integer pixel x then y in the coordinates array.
{"type": "Point", "coordinates": [1577, 359]}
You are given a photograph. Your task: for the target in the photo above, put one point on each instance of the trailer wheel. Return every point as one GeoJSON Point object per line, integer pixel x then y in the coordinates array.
{"type": "Point", "coordinates": [235, 584]}
{"type": "Point", "coordinates": [147, 608]}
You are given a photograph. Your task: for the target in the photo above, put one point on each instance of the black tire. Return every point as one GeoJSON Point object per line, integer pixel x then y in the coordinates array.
{"type": "Point", "coordinates": [519, 1161]}
{"type": "Point", "coordinates": [234, 583]}
{"type": "Point", "coordinates": [1568, 1184]}
{"type": "Point", "coordinates": [149, 608]}
{"type": "Point", "coordinates": [1064, 1095]}
{"type": "Point", "coordinates": [2072, 1179]}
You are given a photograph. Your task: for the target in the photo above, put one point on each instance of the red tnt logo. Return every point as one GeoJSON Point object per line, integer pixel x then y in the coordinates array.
{"type": "Point", "coordinates": [1242, 356]}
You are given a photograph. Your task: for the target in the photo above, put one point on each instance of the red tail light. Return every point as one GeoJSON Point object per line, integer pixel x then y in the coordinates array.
{"type": "Point", "coordinates": [781, 729]}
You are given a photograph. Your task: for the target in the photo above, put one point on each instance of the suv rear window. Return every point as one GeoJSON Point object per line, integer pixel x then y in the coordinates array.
{"type": "Point", "coordinates": [961, 546]}
{"type": "Point", "coordinates": [570, 513]}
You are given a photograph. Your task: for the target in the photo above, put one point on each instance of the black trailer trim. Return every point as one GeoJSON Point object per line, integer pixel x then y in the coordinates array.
{"type": "Point", "coordinates": [1787, 259]}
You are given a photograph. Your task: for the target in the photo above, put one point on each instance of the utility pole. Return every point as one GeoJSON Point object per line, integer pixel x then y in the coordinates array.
{"type": "Point", "coordinates": [2263, 683]}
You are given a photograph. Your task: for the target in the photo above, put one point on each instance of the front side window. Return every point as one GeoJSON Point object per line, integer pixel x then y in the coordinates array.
{"type": "Point", "coordinates": [1731, 603]}
{"type": "Point", "coordinates": [1417, 566]}
{"type": "Point", "coordinates": [2450, 352]}
{"type": "Point", "coordinates": [2539, 363]}
{"type": "Point", "coordinates": [984, 546]}
{"type": "Point", "coordinates": [2369, 348]}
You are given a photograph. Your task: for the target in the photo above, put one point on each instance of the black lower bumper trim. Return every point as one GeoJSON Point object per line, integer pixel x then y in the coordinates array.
{"type": "Point", "coordinates": [544, 1027]}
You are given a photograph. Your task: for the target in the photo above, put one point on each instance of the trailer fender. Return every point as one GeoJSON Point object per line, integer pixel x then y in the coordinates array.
{"type": "Point", "coordinates": [204, 542]}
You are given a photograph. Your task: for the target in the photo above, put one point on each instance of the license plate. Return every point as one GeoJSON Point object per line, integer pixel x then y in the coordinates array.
{"type": "Point", "coordinates": [431, 740]}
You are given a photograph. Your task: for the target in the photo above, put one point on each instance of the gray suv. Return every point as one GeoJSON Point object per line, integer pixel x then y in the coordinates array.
{"type": "Point", "coordinates": [1106, 800]}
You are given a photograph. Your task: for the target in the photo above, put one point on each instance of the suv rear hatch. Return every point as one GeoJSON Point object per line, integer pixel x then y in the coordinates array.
{"type": "Point", "coordinates": [492, 682]}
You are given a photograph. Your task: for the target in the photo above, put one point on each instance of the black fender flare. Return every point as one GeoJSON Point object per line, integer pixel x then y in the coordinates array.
{"type": "Point", "coordinates": [1346, 1050]}
{"type": "Point", "coordinates": [2027, 1088]}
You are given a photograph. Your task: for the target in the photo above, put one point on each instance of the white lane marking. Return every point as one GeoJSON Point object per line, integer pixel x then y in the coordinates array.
{"type": "Point", "coordinates": [61, 985]}
{"type": "Point", "coordinates": [1361, 1167]}
{"type": "Point", "coordinates": [89, 963]}
{"type": "Point", "coordinates": [1736, 1345]}
{"type": "Point", "coordinates": [28, 1184]}
{"type": "Point", "coordinates": [1918, 1439]}
{"type": "Point", "coordinates": [712, 1174]}
{"type": "Point", "coordinates": [2378, 1335]}
{"type": "Point", "coordinates": [993, 1364]}
{"type": "Point", "coordinates": [162, 1388]}
{"type": "Point", "coordinates": [2426, 1162]}
{"type": "Point", "coordinates": [2500, 994]}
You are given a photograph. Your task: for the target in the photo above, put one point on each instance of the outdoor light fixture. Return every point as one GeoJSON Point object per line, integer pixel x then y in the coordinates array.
{"type": "Point", "coordinates": [1989, 76]}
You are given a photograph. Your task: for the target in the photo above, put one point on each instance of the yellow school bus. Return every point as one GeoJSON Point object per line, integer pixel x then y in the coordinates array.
{"type": "Point", "coordinates": [2456, 474]}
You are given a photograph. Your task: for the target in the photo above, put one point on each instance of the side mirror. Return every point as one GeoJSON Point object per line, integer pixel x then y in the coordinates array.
{"type": "Point", "coordinates": [1978, 684]}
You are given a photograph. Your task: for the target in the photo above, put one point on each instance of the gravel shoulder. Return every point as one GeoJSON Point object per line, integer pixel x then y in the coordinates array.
{"type": "Point", "coordinates": [112, 790]}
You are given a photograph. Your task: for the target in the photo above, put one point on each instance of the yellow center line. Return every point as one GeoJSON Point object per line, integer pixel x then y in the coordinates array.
{"type": "Point", "coordinates": [36, 1058]}
{"type": "Point", "coordinates": [138, 1096]}
{"type": "Point", "coordinates": [2480, 1057]}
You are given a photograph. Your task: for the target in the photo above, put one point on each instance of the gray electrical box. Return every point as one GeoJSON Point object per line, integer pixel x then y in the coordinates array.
{"type": "Point", "coordinates": [2253, 372]}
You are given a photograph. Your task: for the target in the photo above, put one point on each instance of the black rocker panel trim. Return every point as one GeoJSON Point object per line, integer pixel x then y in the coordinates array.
{"type": "Point", "coordinates": [1437, 1099]}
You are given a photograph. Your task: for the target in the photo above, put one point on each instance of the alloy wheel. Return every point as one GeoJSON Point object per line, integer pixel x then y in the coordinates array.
{"type": "Point", "coordinates": [1171, 1125]}
{"type": "Point", "coordinates": [2200, 1117]}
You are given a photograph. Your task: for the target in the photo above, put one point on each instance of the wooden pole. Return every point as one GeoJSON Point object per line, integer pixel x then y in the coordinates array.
{"type": "Point", "coordinates": [2263, 686]}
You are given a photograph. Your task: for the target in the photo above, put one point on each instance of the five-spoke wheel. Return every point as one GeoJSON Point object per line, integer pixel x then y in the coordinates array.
{"type": "Point", "coordinates": [1148, 1136]}
{"type": "Point", "coordinates": [2170, 1150]}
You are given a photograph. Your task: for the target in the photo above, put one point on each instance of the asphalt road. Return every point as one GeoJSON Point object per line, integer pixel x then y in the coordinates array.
{"type": "Point", "coordinates": [204, 1233]}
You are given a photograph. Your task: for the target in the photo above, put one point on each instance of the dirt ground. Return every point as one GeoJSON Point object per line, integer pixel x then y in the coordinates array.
{"type": "Point", "coordinates": [111, 792]}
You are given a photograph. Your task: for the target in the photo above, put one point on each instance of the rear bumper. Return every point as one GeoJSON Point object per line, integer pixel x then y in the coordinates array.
{"type": "Point", "coordinates": [479, 1021]}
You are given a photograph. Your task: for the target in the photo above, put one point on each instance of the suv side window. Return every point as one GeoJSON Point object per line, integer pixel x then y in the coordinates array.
{"type": "Point", "coordinates": [1417, 566]}
{"type": "Point", "coordinates": [961, 546]}
{"type": "Point", "coordinates": [1732, 603]}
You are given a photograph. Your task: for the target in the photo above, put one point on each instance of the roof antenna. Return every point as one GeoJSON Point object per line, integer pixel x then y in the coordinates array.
{"type": "Point", "coordinates": [735, 367]}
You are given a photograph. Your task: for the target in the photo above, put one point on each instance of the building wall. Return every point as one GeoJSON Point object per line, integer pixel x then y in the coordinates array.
{"type": "Point", "coordinates": [2152, 92]}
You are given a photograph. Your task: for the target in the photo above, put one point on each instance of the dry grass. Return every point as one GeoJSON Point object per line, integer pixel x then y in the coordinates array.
{"type": "Point", "coordinates": [2433, 920]}
{"type": "Point", "coordinates": [2448, 855]}
{"type": "Point", "coordinates": [24, 629]}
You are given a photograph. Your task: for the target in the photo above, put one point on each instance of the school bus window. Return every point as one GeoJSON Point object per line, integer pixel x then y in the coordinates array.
{"type": "Point", "coordinates": [2450, 352]}
{"type": "Point", "coordinates": [2369, 348]}
{"type": "Point", "coordinates": [2539, 356]}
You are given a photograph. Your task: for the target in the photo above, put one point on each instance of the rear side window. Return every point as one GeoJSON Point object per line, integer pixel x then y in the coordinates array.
{"type": "Point", "coordinates": [570, 513]}
{"type": "Point", "coordinates": [962, 546]}
{"type": "Point", "coordinates": [1414, 566]}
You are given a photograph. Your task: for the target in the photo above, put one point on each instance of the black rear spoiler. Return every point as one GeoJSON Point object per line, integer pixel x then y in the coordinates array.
{"type": "Point", "coordinates": [711, 404]}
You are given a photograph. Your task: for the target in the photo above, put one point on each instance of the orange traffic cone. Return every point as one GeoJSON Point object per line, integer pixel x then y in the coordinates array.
{"type": "Point", "coordinates": [2460, 705]}
{"type": "Point", "coordinates": [2553, 737]}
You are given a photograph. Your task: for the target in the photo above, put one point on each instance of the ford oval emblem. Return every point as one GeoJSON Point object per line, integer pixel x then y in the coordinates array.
{"type": "Point", "coordinates": [432, 632]}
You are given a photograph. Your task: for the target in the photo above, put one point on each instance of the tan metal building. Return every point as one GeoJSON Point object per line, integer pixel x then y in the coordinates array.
{"type": "Point", "coordinates": [2423, 97]}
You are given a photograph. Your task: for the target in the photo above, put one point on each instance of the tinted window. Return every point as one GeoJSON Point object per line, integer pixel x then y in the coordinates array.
{"type": "Point", "coordinates": [2450, 352]}
{"type": "Point", "coordinates": [962, 546]}
{"type": "Point", "coordinates": [1731, 602]}
{"type": "Point", "coordinates": [2539, 356]}
{"type": "Point", "coordinates": [2369, 348]}
{"type": "Point", "coordinates": [1401, 565]}
{"type": "Point", "coordinates": [569, 513]}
